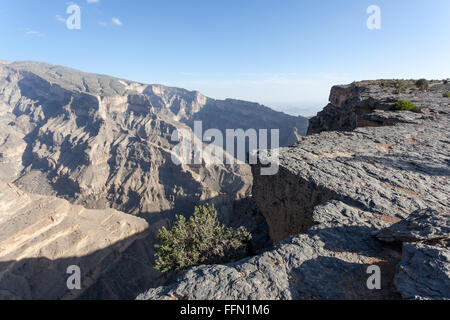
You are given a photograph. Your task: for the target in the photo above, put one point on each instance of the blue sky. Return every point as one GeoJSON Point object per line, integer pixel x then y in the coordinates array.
{"type": "Point", "coordinates": [281, 53]}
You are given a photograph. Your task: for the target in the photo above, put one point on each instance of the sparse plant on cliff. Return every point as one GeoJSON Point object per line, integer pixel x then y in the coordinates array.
{"type": "Point", "coordinates": [398, 84]}
{"type": "Point", "coordinates": [200, 240]}
{"type": "Point", "coordinates": [403, 105]}
{"type": "Point", "coordinates": [447, 95]}
{"type": "Point", "coordinates": [422, 84]}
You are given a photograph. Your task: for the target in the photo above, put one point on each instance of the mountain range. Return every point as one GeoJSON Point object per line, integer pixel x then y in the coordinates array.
{"type": "Point", "coordinates": [100, 142]}
{"type": "Point", "coordinates": [87, 179]}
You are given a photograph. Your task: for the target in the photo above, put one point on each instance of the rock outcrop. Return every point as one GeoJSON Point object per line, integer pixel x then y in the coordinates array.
{"type": "Point", "coordinates": [362, 169]}
{"type": "Point", "coordinates": [362, 104]}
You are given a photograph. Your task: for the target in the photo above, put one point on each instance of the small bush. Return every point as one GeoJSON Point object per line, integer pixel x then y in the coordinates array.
{"type": "Point", "coordinates": [397, 84]}
{"type": "Point", "coordinates": [422, 84]}
{"type": "Point", "coordinates": [199, 240]}
{"type": "Point", "coordinates": [403, 105]}
{"type": "Point", "coordinates": [447, 95]}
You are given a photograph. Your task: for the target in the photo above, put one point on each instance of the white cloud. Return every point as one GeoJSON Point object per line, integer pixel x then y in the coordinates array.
{"type": "Point", "coordinates": [60, 19]}
{"type": "Point", "coordinates": [116, 21]}
{"type": "Point", "coordinates": [34, 33]}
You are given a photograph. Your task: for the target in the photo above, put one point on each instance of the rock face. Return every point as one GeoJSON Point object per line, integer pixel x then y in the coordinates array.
{"type": "Point", "coordinates": [102, 142]}
{"type": "Point", "coordinates": [40, 237]}
{"type": "Point", "coordinates": [391, 171]}
{"type": "Point", "coordinates": [105, 142]}
{"type": "Point", "coordinates": [424, 272]}
{"type": "Point", "coordinates": [427, 226]}
{"type": "Point", "coordinates": [231, 113]}
{"type": "Point", "coordinates": [334, 191]}
{"type": "Point", "coordinates": [327, 262]}
{"type": "Point", "coordinates": [361, 104]}
{"type": "Point", "coordinates": [98, 142]}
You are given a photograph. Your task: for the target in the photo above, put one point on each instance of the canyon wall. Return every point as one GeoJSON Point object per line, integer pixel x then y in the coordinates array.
{"type": "Point", "coordinates": [104, 143]}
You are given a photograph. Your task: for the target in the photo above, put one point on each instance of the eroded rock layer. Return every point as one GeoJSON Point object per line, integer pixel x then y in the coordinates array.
{"type": "Point", "coordinates": [41, 236]}
{"type": "Point", "coordinates": [102, 142]}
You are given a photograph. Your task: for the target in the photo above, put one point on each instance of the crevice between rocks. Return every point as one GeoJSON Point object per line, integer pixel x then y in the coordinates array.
{"type": "Point", "coordinates": [287, 202]}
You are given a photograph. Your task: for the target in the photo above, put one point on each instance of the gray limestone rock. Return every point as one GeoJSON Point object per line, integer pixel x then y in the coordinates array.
{"type": "Point", "coordinates": [424, 272]}
{"type": "Point", "coordinates": [334, 190]}
{"type": "Point", "coordinates": [329, 261]}
{"type": "Point", "coordinates": [426, 226]}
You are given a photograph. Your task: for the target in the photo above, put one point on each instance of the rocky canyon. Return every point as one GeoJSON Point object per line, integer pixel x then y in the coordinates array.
{"type": "Point", "coordinates": [87, 178]}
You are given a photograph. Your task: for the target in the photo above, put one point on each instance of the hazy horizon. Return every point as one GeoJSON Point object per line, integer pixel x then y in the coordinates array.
{"type": "Point", "coordinates": [286, 56]}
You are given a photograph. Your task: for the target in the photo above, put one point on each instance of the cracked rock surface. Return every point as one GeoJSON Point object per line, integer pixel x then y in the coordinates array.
{"type": "Point", "coordinates": [327, 262]}
{"type": "Point", "coordinates": [427, 226]}
{"type": "Point", "coordinates": [362, 169]}
{"type": "Point", "coordinates": [424, 271]}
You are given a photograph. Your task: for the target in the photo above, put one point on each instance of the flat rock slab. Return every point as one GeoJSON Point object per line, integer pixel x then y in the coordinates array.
{"type": "Point", "coordinates": [424, 272]}
{"type": "Point", "coordinates": [428, 226]}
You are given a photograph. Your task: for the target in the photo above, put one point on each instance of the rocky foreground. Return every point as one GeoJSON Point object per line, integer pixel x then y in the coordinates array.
{"type": "Point", "coordinates": [368, 186]}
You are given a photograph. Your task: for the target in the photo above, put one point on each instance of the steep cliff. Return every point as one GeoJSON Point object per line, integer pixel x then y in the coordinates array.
{"type": "Point", "coordinates": [102, 142]}
{"type": "Point", "coordinates": [356, 105]}
{"type": "Point", "coordinates": [105, 142]}
{"type": "Point", "coordinates": [335, 191]}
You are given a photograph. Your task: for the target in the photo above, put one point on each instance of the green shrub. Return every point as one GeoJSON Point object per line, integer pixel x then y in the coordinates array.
{"type": "Point", "coordinates": [447, 95]}
{"type": "Point", "coordinates": [422, 84]}
{"type": "Point", "coordinates": [397, 84]}
{"type": "Point", "coordinates": [199, 240]}
{"type": "Point", "coordinates": [403, 105]}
